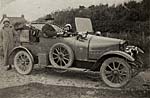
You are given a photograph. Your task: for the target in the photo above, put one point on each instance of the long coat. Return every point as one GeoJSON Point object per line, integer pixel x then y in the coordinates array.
{"type": "Point", "coordinates": [7, 42]}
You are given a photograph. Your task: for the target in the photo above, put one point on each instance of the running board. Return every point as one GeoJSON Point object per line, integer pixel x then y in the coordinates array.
{"type": "Point", "coordinates": [75, 69]}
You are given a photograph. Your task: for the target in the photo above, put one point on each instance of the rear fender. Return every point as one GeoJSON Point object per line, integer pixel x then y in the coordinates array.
{"type": "Point", "coordinates": [112, 54]}
{"type": "Point", "coordinates": [16, 49]}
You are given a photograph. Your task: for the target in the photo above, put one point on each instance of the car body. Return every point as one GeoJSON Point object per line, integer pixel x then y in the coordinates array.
{"type": "Point", "coordinates": [84, 50]}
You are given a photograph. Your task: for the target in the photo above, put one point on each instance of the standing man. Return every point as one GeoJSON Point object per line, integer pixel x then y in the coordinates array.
{"type": "Point", "coordinates": [6, 41]}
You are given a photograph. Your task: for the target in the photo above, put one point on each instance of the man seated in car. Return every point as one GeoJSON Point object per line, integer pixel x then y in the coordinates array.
{"type": "Point", "coordinates": [48, 30]}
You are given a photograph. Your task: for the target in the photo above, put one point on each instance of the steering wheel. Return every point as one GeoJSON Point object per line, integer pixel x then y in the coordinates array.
{"type": "Point", "coordinates": [82, 35]}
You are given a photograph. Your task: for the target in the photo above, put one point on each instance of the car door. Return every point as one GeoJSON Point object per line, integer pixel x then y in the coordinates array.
{"type": "Point", "coordinates": [82, 49]}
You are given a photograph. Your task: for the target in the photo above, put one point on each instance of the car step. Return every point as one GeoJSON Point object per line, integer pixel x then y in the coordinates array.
{"type": "Point", "coordinates": [75, 69]}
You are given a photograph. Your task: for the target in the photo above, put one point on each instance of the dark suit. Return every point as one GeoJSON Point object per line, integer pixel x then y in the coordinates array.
{"type": "Point", "coordinates": [48, 31]}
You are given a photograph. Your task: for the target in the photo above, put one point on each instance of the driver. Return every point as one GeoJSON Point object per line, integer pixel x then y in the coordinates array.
{"type": "Point", "coordinates": [68, 30]}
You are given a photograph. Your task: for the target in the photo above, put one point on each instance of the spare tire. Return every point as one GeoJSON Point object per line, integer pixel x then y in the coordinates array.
{"type": "Point", "coordinates": [61, 55]}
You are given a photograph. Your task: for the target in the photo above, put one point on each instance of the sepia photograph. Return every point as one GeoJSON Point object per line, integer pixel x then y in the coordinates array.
{"type": "Point", "coordinates": [74, 48]}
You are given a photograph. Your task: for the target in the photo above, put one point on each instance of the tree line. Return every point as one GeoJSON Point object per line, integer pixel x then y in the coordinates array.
{"type": "Point", "coordinates": [131, 19]}
{"type": "Point", "coordinates": [132, 16]}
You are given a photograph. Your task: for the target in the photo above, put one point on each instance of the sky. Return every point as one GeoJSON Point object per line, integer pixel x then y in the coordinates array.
{"type": "Point", "coordinates": [34, 9]}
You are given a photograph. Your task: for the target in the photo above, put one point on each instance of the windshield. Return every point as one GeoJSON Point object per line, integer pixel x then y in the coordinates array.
{"type": "Point", "coordinates": [83, 25]}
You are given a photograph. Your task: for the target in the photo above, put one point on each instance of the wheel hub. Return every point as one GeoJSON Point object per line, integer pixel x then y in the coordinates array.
{"type": "Point", "coordinates": [23, 63]}
{"type": "Point", "coordinates": [60, 55]}
{"type": "Point", "coordinates": [115, 72]}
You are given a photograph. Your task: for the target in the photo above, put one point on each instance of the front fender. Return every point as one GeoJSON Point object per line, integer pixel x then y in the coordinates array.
{"type": "Point", "coordinates": [111, 54]}
{"type": "Point", "coordinates": [16, 49]}
{"type": "Point", "coordinates": [119, 53]}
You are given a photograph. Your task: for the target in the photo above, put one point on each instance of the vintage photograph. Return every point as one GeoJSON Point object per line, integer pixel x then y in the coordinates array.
{"type": "Point", "coordinates": [74, 48]}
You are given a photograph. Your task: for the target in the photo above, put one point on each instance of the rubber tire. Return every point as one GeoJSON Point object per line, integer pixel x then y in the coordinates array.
{"type": "Point", "coordinates": [69, 51]}
{"type": "Point", "coordinates": [109, 83]}
{"type": "Point", "coordinates": [18, 69]}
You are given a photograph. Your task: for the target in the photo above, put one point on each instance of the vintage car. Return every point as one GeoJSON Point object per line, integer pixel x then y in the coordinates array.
{"type": "Point", "coordinates": [112, 58]}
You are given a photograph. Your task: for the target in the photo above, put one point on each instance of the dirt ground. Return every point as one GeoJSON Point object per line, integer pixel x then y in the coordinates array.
{"type": "Point", "coordinates": [38, 90]}
{"type": "Point", "coordinates": [46, 83]}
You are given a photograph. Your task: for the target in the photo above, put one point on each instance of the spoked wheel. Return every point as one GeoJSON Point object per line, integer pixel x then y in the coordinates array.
{"type": "Point", "coordinates": [61, 56]}
{"type": "Point", "coordinates": [115, 72]}
{"type": "Point", "coordinates": [23, 62]}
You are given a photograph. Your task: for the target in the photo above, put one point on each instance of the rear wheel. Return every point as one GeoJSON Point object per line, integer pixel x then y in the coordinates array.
{"type": "Point", "coordinates": [23, 62]}
{"type": "Point", "coordinates": [61, 56]}
{"type": "Point", "coordinates": [115, 72]}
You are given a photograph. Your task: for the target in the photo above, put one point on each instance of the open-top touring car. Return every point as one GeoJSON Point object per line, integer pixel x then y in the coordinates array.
{"type": "Point", "coordinates": [112, 58]}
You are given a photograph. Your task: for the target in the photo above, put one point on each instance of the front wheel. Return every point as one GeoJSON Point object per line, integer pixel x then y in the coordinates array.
{"type": "Point", "coordinates": [23, 62]}
{"type": "Point", "coordinates": [115, 72]}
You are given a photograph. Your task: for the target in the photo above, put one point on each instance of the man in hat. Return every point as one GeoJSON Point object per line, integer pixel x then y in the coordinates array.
{"type": "Point", "coordinates": [48, 30]}
{"type": "Point", "coordinates": [6, 41]}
